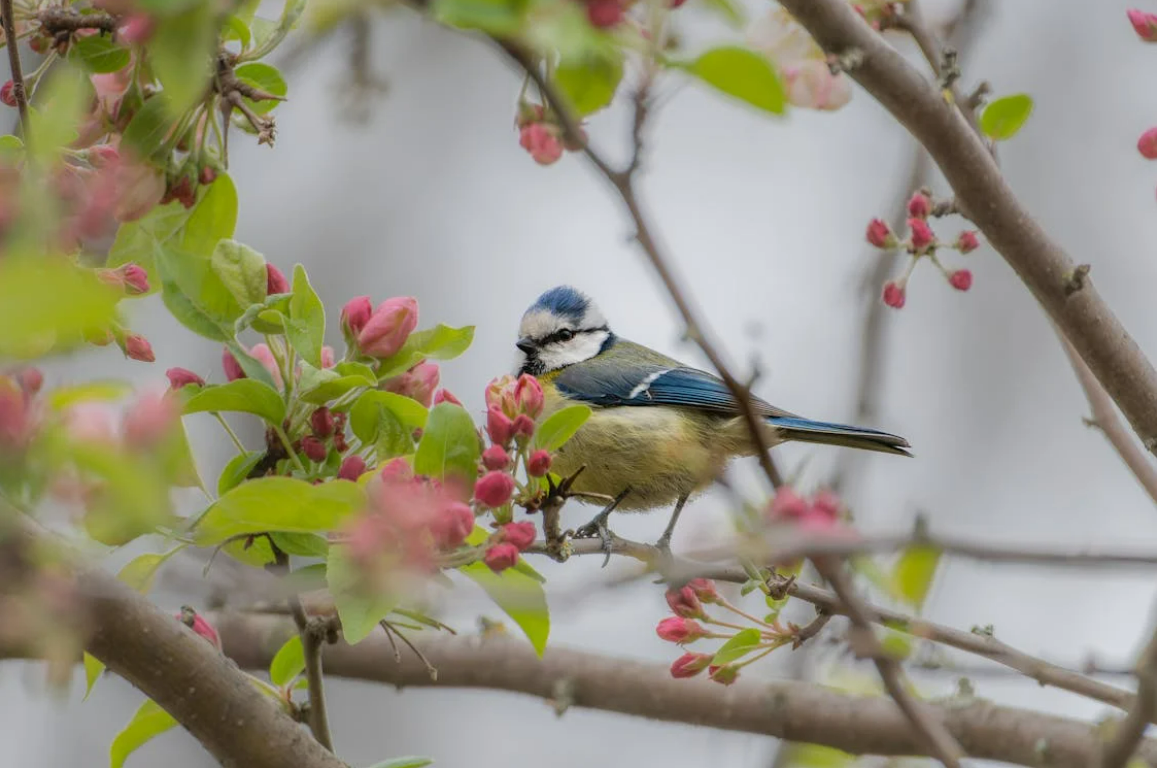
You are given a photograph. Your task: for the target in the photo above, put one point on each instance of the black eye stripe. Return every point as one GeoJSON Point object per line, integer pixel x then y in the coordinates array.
{"type": "Point", "coordinates": [565, 334]}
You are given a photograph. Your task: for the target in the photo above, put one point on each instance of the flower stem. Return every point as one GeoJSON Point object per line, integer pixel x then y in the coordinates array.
{"type": "Point", "coordinates": [232, 435]}
{"type": "Point", "coordinates": [289, 447]}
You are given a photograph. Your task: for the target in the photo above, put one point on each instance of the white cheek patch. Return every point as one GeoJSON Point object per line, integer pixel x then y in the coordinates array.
{"type": "Point", "coordinates": [580, 348]}
{"type": "Point", "coordinates": [538, 325]}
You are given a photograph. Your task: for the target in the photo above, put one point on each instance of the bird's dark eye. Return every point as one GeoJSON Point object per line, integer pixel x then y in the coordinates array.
{"type": "Point", "coordinates": [566, 334]}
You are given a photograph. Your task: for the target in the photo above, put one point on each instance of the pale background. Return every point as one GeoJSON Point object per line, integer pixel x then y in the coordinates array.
{"type": "Point", "coordinates": [432, 197]}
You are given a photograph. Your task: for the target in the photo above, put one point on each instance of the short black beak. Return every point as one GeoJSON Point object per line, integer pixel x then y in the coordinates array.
{"type": "Point", "coordinates": [526, 345]}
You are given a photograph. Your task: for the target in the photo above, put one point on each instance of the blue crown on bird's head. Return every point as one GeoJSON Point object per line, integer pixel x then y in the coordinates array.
{"type": "Point", "coordinates": [563, 301]}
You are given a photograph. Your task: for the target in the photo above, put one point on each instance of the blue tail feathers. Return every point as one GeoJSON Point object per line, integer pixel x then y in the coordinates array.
{"type": "Point", "coordinates": [826, 433]}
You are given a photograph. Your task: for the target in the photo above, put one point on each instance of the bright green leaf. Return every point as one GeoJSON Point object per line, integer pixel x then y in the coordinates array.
{"type": "Point", "coordinates": [266, 317]}
{"type": "Point", "coordinates": [181, 52]}
{"type": "Point", "coordinates": [243, 395]}
{"type": "Point", "coordinates": [560, 426]}
{"type": "Point", "coordinates": [590, 84]}
{"type": "Point", "coordinates": [327, 388]}
{"type": "Point", "coordinates": [449, 444]}
{"type": "Point", "coordinates": [743, 74]}
{"type": "Point", "coordinates": [359, 612]}
{"type": "Point", "coordinates": [254, 551]}
{"type": "Point", "coordinates": [138, 241]}
{"type": "Point", "coordinates": [742, 643]}
{"type": "Point", "coordinates": [440, 343]}
{"type": "Point", "coordinates": [913, 573]}
{"type": "Point", "coordinates": [288, 663]}
{"type": "Point", "coordinates": [279, 504]}
{"type": "Point", "coordinates": [366, 413]}
{"type": "Point", "coordinates": [306, 327]}
{"type": "Point", "coordinates": [404, 762]}
{"type": "Point", "coordinates": [213, 218]}
{"type": "Point", "coordinates": [1005, 116]}
{"type": "Point", "coordinates": [301, 544]}
{"type": "Point", "coordinates": [93, 669]}
{"type": "Point", "coordinates": [241, 269]}
{"type": "Point", "coordinates": [497, 17]}
{"type": "Point", "coordinates": [266, 78]}
{"type": "Point", "coordinates": [801, 755]}
{"type": "Point", "coordinates": [519, 595]}
{"type": "Point", "coordinates": [149, 721]}
{"type": "Point", "coordinates": [148, 128]}
{"type": "Point", "coordinates": [98, 53]}
{"type": "Point", "coordinates": [237, 29]}
{"type": "Point", "coordinates": [237, 470]}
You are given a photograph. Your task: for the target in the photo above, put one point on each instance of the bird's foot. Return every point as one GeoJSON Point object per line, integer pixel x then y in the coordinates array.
{"type": "Point", "coordinates": [598, 527]}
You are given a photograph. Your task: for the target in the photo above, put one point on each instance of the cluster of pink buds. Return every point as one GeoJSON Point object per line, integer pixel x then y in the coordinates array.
{"type": "Point", "coordinates": [691, 622]}
{"type": "Point", "coordinates": [1145, 25]}
{"type": "Point", "coordinates": [512, 539]}
{"type": "Point", "coordinates": [819, 514]}
{"type": "Point", "coordinates": [541, 134]}
{"type": "Point", "coordinates": [921, 243]}
{"type": "Point", "coordinates": [379, 333]}
{"type": "Point", "coordinates": [130, 278]}
{"type": "Point", "coordinates": [144, 424]}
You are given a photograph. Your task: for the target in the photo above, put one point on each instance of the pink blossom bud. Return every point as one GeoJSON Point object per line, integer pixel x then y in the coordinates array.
{"type": "Point", "coordinates": [90, 423]}
{"type": "Point", "coordinates": [922, 235]}
{"type": "Point", "coordinates": [827, 505]}
{"type": "Point", "coordinates": [264, 355]}
{"type": "Point", "coordinates": [355, 314]}
{"type": "Point", "coordinates": [148, 420]}
{"type": "Point", "coordinates": [521, 535]}
{"type": "Point", "coordinates": [494, 488]}
{"type": "Point", "coordinates": [541, 140]}
{"type": "Point", "coordinates": [136, 29]}
{"type": "Point", "coordinates": [676, 629]}
{"type": "Point", "coordinates": [705, 590]}
{"type": "Point", "coordinates": [495, 457]}
{"type": "Point", "coordinates": [137, 347]}
{"type": "Point", "coordinates": [397, 471]}
{"type": "Point", "coordinates": [8, 94]}
{"type": "Point", "coordinates": [528, 395]}
{"type": "Point", "coordinates": [327, 359]}
{"type": "Point", "coordinates": [523, 426]}
{"type": "Point", "coordinates": [690, 664]}
{"type": "Point", "coordinates": [313, 448]}
{"type": "Point", "coordinates": [726, 675]}
{"type": "Point", "coordinates": [351, 468]}
{"type": "Point", "coordinates": [321, 422]}
{"type": "Point", "coordinates": [880, 234]}
{"type": "Point", "coordinates": [418, 383]}
{"type": "Point", "coordinates": [961, 279]}
{"type": "Point", "coordinates": [31, 380]}
{"type": "Point", "coordinates": [919, 206]}
{"type": "Point", "coordinates": [445, 396]}
{"type": "Point", "coordinates": [275, 281]}
{"type": "Point", "coordinates": [231, 367]}
{"type": "Point", "coordinates": [966, 241]}
{"type": "Point", "coordinates": [102, 155]}
{"type": "Point", "coordinates": [500, 557]}
{"type": "Point", "coordinates": [452, 525]}
{"type": "Point", "coordinates": [1147, 144]}
{"type": "Point", "coordinates": [685, 603]}
{"type": "Point", "coordinates": [787, 505]}
{"type": "Point", "coordinates": [538, 464]}
{"type": "Point", "coordinates": [894, 295]}
{"type": "Point", "coordinates": [16, 420]}
{"type": "Point", "coordinates": [136, 278]}
{"type": "Point", "coordinates": [389, 327]}
{"type": "Point", "coordinates": [197, 623]}
{"type": "Point", "coordinates": [499, 426]}
{"type": "Point", "coordinates": [1144, 24]}
{"type": "Point", "coordinates": [604, 14]}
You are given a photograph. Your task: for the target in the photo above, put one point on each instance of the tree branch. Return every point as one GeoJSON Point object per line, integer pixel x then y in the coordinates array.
{"type": "Point", "coordinates": [1083, 316]}
{"type": "Point", "coordinates": [18, 89]}
{"type": "Point", "coordinates": [1123, 744]}
{"type": "Point", "coordinates": [783, 709]}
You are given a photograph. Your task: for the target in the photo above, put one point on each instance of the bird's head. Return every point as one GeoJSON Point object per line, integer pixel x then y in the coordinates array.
{"type": "Point", "coordinates": [561, 328]}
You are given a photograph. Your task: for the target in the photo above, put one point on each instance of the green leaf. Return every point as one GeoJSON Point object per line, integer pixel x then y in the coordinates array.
{"type": "Point", "coordinates": [449, 445]}
{"type": "Point", "coordinates": [440, 343]}
{"type": "Point", "coordinates": [520, 596]}
{"type": "Point", "coordinates": [46, 304]}
{"type": "Point", "coordinates": [288, 663]}
{"type": "Point", "coordinates": [496, 17]}
{"type": "Point", "coordinates": [590, 84]}
{"type": "Point", "coordinates": [242, 271]}
{"type": "Point", "coordinates": [404, 762]}
{"type": "Point", "coordinates": [301, 544]}
{"type": "Point", "coordinates": [368, 410]}
{"type": "Point", "coordinates": [138, 241]}
{"type": "Point", "coordinates": [816, 756]}
{"type": "Point", "coordinates": [250, 365]}
{"type": "Point", "coordinates": [254, 551]}
{"type": "Point", "coordinates": [63, 397]}
{"type": "Point", "coordinates": [742, 643]}
{"type": "Point", "coordinates": [148, 128]}
{"type": "Point", "coordinates": [149, 721]}
{"type": "Point", "coordinates": [359, 612]}
{"type": "Point", "coordinates": [306, 327]}
{"type": "Point", "coordinates": [93, 669]}
{"type": "Point", "coordinates": [263, 77]}
{"type": "Point", "coordinates": [62, 102]}
{"type": "Point", "coordinates": [743, 74]}
{"type": "Point", "coordinates": [141, 572]}
{"type": "Point", "coordinates": [98, 53]}
{"type": "Point", "coordinates": [237, 29]}
{"type": "Point", "coordinates": [560, 426]}
{"type": "Point", "coordinates": [237, 470]}
{"type": "Point", "coordinates": [279, 504]}
{"type": "Point", "coordinates": [913, 573]}
{"type": "Point", "coordinates": [243, 395]}
{"type": "Point", "coordinates": [266, 317]}
{"type": "Point", "coordinates": [213, 218]}
{"type": "Point", "coordinates": [332, 383]}
{"type": "Point", "coordinates": [181, 54]}
{"type": "Point", "coordinates": [267, 36]}
{"type": "Point", "coordinates": [1005, 116]}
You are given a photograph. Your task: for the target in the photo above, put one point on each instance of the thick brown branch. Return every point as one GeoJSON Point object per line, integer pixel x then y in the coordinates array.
{"type": "Point", "coordinates": [786, 710]}
{"type": "Point", "coordinates": [1083, 316]}
{"type": "Point", "coordinates": [1123, 744]}
{"type": "Point", "coordinates": [56, 19]}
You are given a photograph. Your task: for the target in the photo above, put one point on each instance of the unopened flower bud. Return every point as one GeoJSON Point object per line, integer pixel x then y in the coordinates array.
{"type": "Point", "coordinates": [499, 426]}
{"type": "Point", "coordinates": [894, 294]}
{"type": "Point", "coordinates": [8, 93]}
{"type": "Point", "coordinates": [676, 629]}
{"type": "Point", "coordinates": [197, 623]}
{"type": "Point", "coordinates": [31, 380]}
{"type": "Point", "coordinates": [494, 489]}
{"type": "Point", "coordinates": [1144, 24]}
{"type": "Point", "coordinates": [919, 206]}
{"type": "Point", "coordinates": [321, 422]}
{"type": "Point", "coordinates": [538, 464]}
{"type": "Point", "coordinates": [966, 241]}
{"type": "Point", "coordinates": [137, 28]}
{"type": "Point", "coordinates": [313, 448]}
{"type": "Point", "coordinates": [418, 383]}
{"type": "Point", "coordinates": [445, 396]}
{"type": "Point", "coordinates": [961, 279]}
{"type": "Point", "coordinates": [541, 141]}
{"type": "Point", "coordinates": [705, 590]}
{"type": "Point", "coordinates": [207, 175]}
{"type": "Point", "coordinates": [1147, 144]}
{"type": "Point", "coordinates": [327, 359]}
{"type": "Point", "coordinates": [264, 355]}
{"type": "Point", "coordinates": [528, 395]}
{"type": "Point", "coordinates": [520, 534]}
{"type": "Point", "coordinates": [690, 664]}
{"type": "Point", "coordinates": [389, 327]}
{"type": "Point", "coordinates": [148, 420]}
{"type": "Point", "coordinates": [787, 505]}
{"type": "Point", "coordinates": [604, 14]}
{"type": "Point", "coordinates": [230, 365]}
{"type": "Point", "coordinates": [495, 457]}
{"type": "Point", "coordinates": [351, 468]}
{"type": "Point", "coordinates": [500, 557]}
{"type": "Point", "coordinates": [685, 603]}
{"type": "Point", "coordinates": [880, 234]}
{"type": "Point", "coordinates": [275, 281]}
{"type": "Point", "coordinates": [452, 525]}
{"type": "Point", "coordinates": [137, 347]}
{"type": "Point", "coordinates": [523, 426]}
{"type": "Point", "coordinates": [355, 314]}
{"type": "Point", "coordinates": [922, 235]}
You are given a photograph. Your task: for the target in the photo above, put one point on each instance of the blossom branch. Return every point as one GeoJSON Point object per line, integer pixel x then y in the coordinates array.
{"type": "Point", "coordinates": [1123, 745]}
{"type": "Point", "coordinates": [56, 19]}
{"type": "Point", "coordinates": [982, 192]}
{"type": "Point", "coordinates": [19, 92]}
{"type": "Point", "coordinates": [312, 634]}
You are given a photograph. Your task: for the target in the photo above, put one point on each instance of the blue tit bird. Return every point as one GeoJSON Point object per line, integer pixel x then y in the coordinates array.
{"type": "Point", "coordinates": [659, 431]}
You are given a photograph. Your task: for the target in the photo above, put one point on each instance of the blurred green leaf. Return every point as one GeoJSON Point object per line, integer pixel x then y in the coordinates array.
{"type": "Point", "coordinates": [148, 128]}
{"type": "Point", "coordinates": [237, 29]}
{"type": "Point", "coordinates": [141, 572]}
{"type": "Point", "coordinates": [301, 544]}
{"type": "Point", "coordinates": [61, 104]}
{"type": "Point", "coordinates": [358, 610]}
{"type": "Point", "coordinates": [242, 271]}
{"type": "Point", "coordinates": [149, 721]}
{"type": "Point", "coordinates": [742, 74]}
{"type": "Point", "coordinates": [896, 645]}
{"type": "Point", "coordinates": [254, 551]}
{"type": "Point", "coordinates": [742, 643]}
{"type": "Point", "coordinates": [93, 669]}
{"type": "Point", "coordinates": [589, 84]}
{"type": "Point", "coordinates": [237, 470]}
{"type": "Point", "coordinates": [242, 395]}
{"type": "Point", "coordinates": [1004, 117]}
{"type": "Point", "coordinates": [404, 762]}
{"type": "Point", "coordinates": [288, 663]}
{"type": "Point", "coordinates": [560, 426]}
{"type": "Point", "coordinates": [520, 596]}
{"type": "Point", "coordinates": [279, 504]}
{"type": "Point", "coordinates": [267, 35]}
{"type": "Point", "coordinates": [440, 343]}
{"type": "Point", "coordinates": [306, 327]}
{"type": "Point", "coordinates": [496, 17]}
{"type": "Point", "coordinates": [98, 53]}
{"type": "Point", "coordinates": [913, 573]}
{"type": "Point", "coordinates": [802, 755]}
{"type": "Point", "coordinates": [449, 445]}
{"type": "Point", "coordinates": [266, 78]}
{"type": "Point", "coordinates": [63, 397]}
{"type": "Point", "coordinates": [46, 303]}
{"type": "Point", "coordinates": [181, 51]}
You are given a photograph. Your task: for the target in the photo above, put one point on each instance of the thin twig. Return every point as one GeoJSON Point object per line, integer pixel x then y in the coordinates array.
{"type": "Point", "coordinates": [18, 92]}
{"type": "Point", "coordinates": [1127, 736]}
{"type": "Point", "coordinates": [312, 637]}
